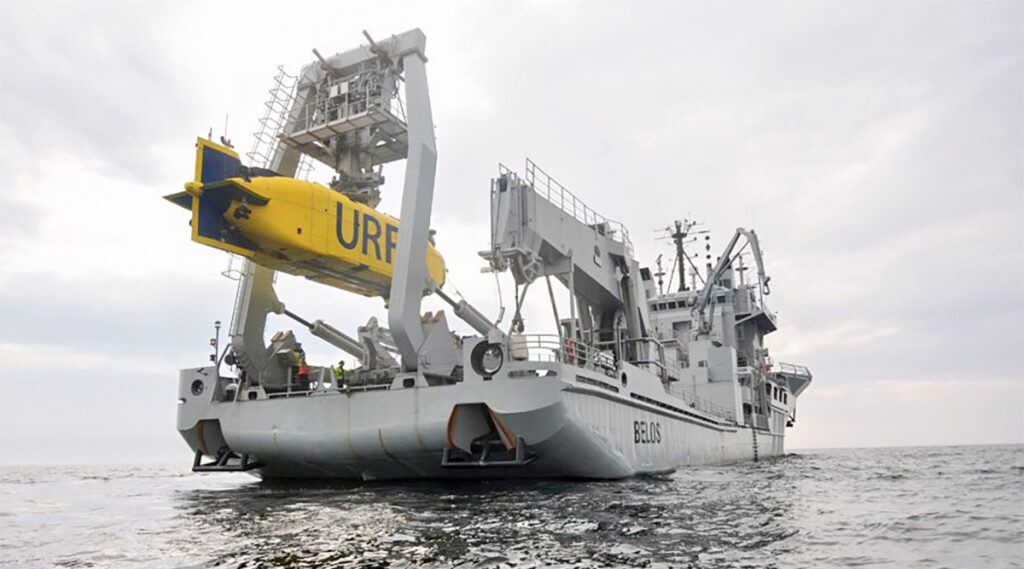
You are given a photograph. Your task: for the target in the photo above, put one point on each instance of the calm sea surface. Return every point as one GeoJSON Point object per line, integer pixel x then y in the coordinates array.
{"type": "Point", "coordinates": [960, 507]}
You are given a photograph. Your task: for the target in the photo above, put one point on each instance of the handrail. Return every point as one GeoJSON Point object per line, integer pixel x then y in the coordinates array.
{"type": "Point", "coordinates": [701, 404]}
{"type": "Point", "coordinates": [793, 369]}
{"type": "Point", "coordinates": [552, 348]}
{"type": "Point", "coordinates": [315, 112]}
{"type": "Point", "coordinates": [558, 195]}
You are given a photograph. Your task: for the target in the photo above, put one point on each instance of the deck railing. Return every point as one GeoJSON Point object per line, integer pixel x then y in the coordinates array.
{"type": "Point", "coordinates": [552, 348]}
{"type": "Point", "coordinates": [558, 195]}
{"type": "Point", "coordinates": [793, 369]}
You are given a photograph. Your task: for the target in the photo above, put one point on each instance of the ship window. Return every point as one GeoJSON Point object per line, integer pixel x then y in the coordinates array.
{"type": "Point", "coordinates": [720, 298]}
{"type": "Point", "coordinates": [673, 305]}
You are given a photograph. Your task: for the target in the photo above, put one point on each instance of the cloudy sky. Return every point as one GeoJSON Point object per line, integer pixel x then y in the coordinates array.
{"type": "Point", "coordinates": [877, 148]}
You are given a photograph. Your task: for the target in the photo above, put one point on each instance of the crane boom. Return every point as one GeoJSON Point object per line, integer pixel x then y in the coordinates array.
{"type": "Point", "coordinates": [724, 262]}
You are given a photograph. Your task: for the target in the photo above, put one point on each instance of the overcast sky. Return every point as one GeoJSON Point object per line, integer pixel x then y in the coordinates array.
{"type": "Point", "coordinates": [875, 147]}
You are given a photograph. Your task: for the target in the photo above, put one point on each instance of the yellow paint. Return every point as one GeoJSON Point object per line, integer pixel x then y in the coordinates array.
{"type": "Point", "coordinates": [297, 231]}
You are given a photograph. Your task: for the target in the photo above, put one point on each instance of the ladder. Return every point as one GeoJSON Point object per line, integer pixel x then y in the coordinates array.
{"type": "Point", "coordinates": [275, 117]}
{"type": "Point", "coordinates": [753, 434]}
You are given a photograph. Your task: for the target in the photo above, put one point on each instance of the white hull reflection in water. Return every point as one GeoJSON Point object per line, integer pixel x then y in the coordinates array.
{"type": "Point", "coordinates": [913, 507]}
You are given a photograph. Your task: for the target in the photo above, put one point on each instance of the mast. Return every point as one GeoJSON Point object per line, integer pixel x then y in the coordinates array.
{"type": "Point", "coordinates": [684, 229]}
{"type": "Point", "coordinates": [678, 237]}
{"type": "Point", "coordinates": [660, 274]}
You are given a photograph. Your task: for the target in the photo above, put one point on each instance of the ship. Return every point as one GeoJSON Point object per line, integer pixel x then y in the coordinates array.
{"type": "Point", "coordinates": [636, 378]}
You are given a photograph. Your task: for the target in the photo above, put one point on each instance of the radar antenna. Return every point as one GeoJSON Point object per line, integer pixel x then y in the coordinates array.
{"type": "Point", "coordinates": [679, 232]}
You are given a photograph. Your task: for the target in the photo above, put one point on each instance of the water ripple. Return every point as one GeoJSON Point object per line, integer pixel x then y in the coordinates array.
{"type": "Point", "coordinates": [937, 507]}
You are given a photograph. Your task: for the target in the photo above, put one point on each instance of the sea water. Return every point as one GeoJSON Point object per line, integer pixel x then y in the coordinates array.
{"type": "Point", "coordinates": [957, 507]}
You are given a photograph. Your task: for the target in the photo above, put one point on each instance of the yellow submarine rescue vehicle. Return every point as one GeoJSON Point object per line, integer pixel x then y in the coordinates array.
{"type": "Point", "coordinates": [298, 227]}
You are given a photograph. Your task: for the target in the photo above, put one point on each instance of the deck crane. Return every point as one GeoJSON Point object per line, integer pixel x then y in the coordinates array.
{"type": "Point", "coordinates": [347, 112]}
{"type": "Point", "coordinates": [702, 322]}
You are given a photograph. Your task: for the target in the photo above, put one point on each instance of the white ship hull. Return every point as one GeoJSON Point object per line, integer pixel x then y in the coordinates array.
{"type": "Point", "coordinates": [574, 423]}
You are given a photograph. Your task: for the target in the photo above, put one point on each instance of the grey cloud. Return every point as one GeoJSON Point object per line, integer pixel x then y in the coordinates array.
{"type": "Point", "coordinates": [82, 81]}
{"type": "Point", "coordinates": [73, 424]}
{"type": "Point", "coordinates": [18, 220]}
{"type": "Point", "coordinates": [113, 315]}
{"type": "Point", "coordinates": [109, 83]}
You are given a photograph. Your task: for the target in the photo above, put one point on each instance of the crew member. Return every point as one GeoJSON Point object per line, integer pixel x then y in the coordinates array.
{"type": "Point", "coordinates": [339, 374]}
{"type": "Point", "coordinates": [299, 367]}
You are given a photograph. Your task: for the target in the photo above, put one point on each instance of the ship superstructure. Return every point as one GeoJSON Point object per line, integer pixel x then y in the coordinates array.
{"type": "Point", "coordinates": [632, 380]}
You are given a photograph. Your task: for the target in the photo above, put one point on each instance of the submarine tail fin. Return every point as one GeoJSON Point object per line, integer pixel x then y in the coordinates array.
{"type": "Point", "coordinates": [215, 162]}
